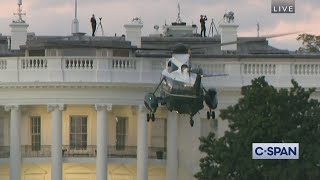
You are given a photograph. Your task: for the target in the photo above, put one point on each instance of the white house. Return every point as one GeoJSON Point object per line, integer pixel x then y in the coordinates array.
{"type": "Point", "coordinates": [72, 107]}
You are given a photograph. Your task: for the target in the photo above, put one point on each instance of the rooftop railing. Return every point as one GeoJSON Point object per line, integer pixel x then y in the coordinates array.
{"type": "Point", "coordinates": [132, 70]}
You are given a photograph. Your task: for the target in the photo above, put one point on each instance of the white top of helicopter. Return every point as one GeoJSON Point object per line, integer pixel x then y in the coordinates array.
{"type": "Point", "coordinates": [177, 69]}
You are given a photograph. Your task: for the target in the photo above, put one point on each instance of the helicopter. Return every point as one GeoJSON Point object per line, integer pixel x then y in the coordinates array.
{"type": "Point", "coordinates": [180, 86]}
{"type": "Point", "coordinates": [181, 89]}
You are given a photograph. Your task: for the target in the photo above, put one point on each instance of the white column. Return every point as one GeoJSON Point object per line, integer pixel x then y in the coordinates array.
{"type": "Point", "coordinates": [194, 140]}
{"type": "Point", "coordinates": [142, 148]}
{"type": "Point", "coordinates": [56, 145]}
{"type": "Point", "coordinates": [15, 148]}
{"type": "Point", "coordinates": [172, 149]}
{"type": "Point", "coordinates": [102, 141]}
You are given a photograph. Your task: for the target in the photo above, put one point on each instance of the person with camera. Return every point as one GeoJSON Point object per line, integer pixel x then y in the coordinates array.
{"type": "Point", "coordinates": [203, 20]}
{"type": "Point", "coordinates": [93, 24]}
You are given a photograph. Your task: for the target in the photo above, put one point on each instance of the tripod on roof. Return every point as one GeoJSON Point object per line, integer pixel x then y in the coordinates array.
{"type": "Point", "coordinates": [100, 25]}
{"type": "Point", "coordinates": [212, 25]}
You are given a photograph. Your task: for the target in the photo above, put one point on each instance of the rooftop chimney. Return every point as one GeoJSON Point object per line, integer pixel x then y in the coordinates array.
{"type": "Point", "coordinates": [133, 31]}
{"type": "Point", "coordinates": [228, 33]}
{"type": "Point", "coordinates": [18, 29]}
{"type": "Point", "coordinates": [75, 22]}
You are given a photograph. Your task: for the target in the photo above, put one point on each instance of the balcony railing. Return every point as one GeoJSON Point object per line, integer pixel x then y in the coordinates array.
{"type": "Point", "coordinates": [28, 151]}
{"type": "Point", "coordinates": [79, 151]}
{"type": "Point", "coordinates": [157, 153]}
{"type": "Point", "coordinates": [36, 151]}
{"type": "Point", "coordinates": [4, 151]}
{"type": "Point", "coordinates": [122, 152]}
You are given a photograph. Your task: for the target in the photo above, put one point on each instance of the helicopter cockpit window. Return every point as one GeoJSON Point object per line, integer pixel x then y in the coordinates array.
{"type": "Point", "coordinates": [172, 67]}
{"type": "Point", "coordinates": [184, 67]}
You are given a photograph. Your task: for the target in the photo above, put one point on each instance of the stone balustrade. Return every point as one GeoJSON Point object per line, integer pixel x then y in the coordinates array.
{"type": "Point", "coordinates": [148, 70]}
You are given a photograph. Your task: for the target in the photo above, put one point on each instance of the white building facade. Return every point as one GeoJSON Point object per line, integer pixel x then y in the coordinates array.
{"type": "Point", "coordinates": [73, 110]}
{"type": "Point", "coordinates": [89, 122]}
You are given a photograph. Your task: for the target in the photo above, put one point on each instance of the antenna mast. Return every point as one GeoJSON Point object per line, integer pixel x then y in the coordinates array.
{"type": "Point", "coordinates": [19, 13]}
{"type": "Point", "coordinates": [258, 29]}
{"type": "Point", "coordinates": [179, 18]}
{"type": "Point", "coordinates": [76, 9]}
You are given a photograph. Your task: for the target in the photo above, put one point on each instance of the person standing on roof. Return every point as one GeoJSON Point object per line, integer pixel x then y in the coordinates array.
{"type": "Point", "coordinates": [93, 24]}
{"type": "Point", "coordinates": [203, 20]}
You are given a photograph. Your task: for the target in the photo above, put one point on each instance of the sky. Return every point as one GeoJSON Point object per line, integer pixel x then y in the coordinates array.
{"type": "Point", "coordinates": [54, 17]}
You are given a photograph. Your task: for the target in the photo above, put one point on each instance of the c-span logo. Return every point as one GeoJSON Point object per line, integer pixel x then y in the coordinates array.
{"type": "Point", "coordinates": [283, 6]}
{"type": "Point", "coordinates": [275, 150]}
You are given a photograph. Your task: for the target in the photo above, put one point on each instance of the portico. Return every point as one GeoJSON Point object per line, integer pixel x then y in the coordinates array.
{"type": "Point", "coordinates": [101, 136]}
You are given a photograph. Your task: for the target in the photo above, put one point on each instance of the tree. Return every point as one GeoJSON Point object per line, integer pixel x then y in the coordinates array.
{"type": "Point", "coordinates": [267, 115]}
{"type": "Point", "coordinates": [310, 42]}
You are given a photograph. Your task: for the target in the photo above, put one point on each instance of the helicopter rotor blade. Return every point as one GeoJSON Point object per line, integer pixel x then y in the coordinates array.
{"type": "Point", "coordinates": [213, 75]}
{"type": "Point", "coordinates": [162, 79]}
{"type": "Point", "coordinates": [267, 37]}
{"type": "Point", "coordinates": [282, 34]}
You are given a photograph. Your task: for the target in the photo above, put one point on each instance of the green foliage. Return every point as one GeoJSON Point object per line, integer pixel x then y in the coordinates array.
{"type": "Point", "coordinates": [310, 42]}
{"type": "Point", "coordinates": [267, 115]}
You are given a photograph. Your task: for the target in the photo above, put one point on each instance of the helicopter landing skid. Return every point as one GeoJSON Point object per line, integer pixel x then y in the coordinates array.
{"type": "Point", "coordinates": [191, 121]}
{"type": "Point", "coordinates": [150, 116]}
{"type": "Point", "coordinates": [211, 114]}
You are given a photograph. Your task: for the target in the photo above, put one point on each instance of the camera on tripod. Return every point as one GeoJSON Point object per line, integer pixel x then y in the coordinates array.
{"type": "Point", "coordinates": [100, 26]}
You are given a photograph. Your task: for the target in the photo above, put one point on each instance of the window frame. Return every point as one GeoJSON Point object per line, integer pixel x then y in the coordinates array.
{"type": "Point", "coordinates": [35, 132]}
{"type": "Point", "coordinates": [122, 137]}
{"type": "Point", "coordinates": [78, 138]}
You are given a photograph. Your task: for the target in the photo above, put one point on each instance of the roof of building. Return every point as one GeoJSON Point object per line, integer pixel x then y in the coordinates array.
{"type": "Point", "coordinates": [75, 41]}
{"type": "Point", "coordinates": [154, 46]}
{"type": "Point", "coordinates": [206, 45]}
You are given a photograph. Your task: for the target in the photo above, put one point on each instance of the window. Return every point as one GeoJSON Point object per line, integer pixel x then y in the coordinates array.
{"type": "Point", "coordinates": [121, 132]}
{"type": "Point", "coordinates": [1, 132]}
{"type": "Point", "coordinates": [172, 67]}
{"type": "Point", "coordinates": [159, 133]}
{"type": "Point", "coordinates": [78, 132]}
{"type": "Point", "coordinates": [36, 133]}
{"type": "Point", "coordinates": [120, 53]}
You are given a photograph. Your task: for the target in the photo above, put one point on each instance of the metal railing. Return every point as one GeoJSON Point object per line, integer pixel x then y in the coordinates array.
{"type": "Point", "coordinates": [157, 153]}
{"type": "Point", "coordinates": [79, 151]}
{"type": "Point", "coordinates": [4, 151]}
{"type": "Point", "coordinates": [28, 151]}
{"type": "Point", "coordinates": [36, 151]}
{"type": "Point", "coordinates": [122, 151]}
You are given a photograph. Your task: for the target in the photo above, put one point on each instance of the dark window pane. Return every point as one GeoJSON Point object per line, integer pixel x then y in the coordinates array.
{"type": "Point", "coordinates": [36, 132]}
{"type": "Point", "coordinates": [78, 132]}
{"type": "Point", "coordinates": [84, 137]}
{"type": "Point", "coordinates": [121, 133]}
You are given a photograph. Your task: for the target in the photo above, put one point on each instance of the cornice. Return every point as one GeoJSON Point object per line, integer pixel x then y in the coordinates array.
{"type": "Point", "coordinates": [64, 85]}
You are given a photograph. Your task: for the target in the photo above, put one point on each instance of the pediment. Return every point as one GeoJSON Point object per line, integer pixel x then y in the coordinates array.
{"type": "Point", "coordinates": [79, 170]}
{"type": "Point", "coordinates": [35, 170]}
{"type": "Point", "coordinates": [156, 171]}
{"type": "Point", "coordinates": [121, 170]}
{"type": "Point", "coordinates": [4, 170]}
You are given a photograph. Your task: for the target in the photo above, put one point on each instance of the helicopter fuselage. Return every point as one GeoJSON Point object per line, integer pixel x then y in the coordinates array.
{"type": "Point", "coordinates": [181, 97]}
{"type": "Point", "coordinates": [181, 90]}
